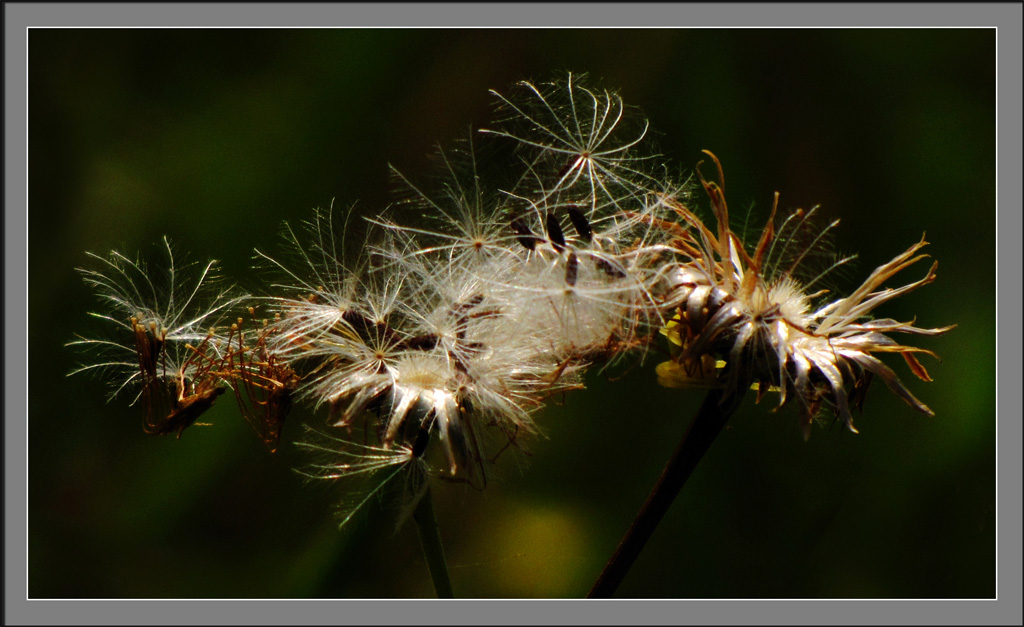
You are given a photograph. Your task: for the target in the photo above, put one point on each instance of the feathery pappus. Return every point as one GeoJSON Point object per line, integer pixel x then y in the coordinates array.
{"type": "Point", "coordinates": [165, 350]}
{"type": "Point", "coordinates": [174, 348]}
{"type": "Point", "coordinates": [419, 352]}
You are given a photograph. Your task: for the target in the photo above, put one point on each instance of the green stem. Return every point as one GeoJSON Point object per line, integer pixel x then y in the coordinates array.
{"type": "Point", "coordinates": [715, 411]}
{"type": "Point", "coordinates": [433, 551]}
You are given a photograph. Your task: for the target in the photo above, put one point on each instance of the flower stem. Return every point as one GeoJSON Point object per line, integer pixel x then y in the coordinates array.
{"type": "Point", "coordinates": [433, 551]}
{"type": "Point", "coordinates": [718, 406]}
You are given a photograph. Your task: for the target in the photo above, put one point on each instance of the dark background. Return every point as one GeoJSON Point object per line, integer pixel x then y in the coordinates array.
{"type": "Point", "coordinates": [214, 137]}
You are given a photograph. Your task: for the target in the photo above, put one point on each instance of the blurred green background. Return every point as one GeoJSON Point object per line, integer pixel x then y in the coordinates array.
{"type": "Point", "coordinates": [214, 137]}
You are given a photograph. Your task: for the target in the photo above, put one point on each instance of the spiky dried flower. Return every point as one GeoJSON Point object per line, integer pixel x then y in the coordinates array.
{"type": "Point", "coordinates": [736, 312]}
{"type": "Point", "coordinates": [166, 348]}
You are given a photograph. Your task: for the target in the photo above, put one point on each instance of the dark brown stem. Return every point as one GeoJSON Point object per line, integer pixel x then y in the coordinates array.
{"type": "Point", "coordinates": [430, 540]}
{"type": "Point", "coordinates": [718, 406]}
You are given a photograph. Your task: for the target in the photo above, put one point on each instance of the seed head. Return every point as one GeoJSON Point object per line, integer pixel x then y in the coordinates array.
{"type": "Point", "coordinates": [757, 322]}
{"type": "Point", "coordinates": [477, 296]}
{"type": "Point", "coordinates": [165, 347]}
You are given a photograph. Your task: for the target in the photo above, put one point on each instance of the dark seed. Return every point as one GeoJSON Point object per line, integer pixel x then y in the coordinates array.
{"type": "Point", "coordinates": [523, 234]}
{"type": "Point", "coordinates": [572, 266]}
{"type": "Point", "coordinates": [580, 223]}
{"type": "Point", "coordinates": [554, 230]}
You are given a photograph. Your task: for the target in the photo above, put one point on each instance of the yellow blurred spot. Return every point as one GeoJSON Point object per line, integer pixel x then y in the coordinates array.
{"type": "Point", "coordinates": [540, 553]}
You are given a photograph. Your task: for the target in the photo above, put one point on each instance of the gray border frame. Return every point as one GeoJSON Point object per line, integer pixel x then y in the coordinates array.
{"type": "Point", "coordinates": [19, 17]}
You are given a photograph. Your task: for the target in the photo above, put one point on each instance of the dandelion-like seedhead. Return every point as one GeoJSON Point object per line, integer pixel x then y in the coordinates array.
{"type": "Point", "coordinates": [165, 348]}
{"type": "Point", "coordinates": [583, 144]}
{"type": "Point", "coordinates": [476, 298]}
